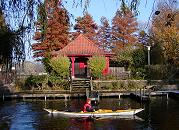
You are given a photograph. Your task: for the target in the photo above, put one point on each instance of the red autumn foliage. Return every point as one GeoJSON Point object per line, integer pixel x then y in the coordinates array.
{"type": "Point", "coordinates": [52, 28]}
{"type": "Point", "coordinates": [86, 26]}
{"type": "Point", "coordinates": [104, 35]}
{"type": "Point", "coordinates": [124, 26]}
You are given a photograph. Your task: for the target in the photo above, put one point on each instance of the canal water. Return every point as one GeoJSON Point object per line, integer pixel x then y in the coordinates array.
{"type": "Point", "coordinates": [159, 114]}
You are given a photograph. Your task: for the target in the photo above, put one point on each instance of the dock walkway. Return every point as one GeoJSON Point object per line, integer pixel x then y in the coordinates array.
{"type": "Point", "coordinates": [145, 97]}
{"type": "Point", "coordinates": [138, 95]}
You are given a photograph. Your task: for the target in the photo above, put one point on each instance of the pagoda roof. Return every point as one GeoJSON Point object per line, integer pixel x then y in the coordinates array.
{"type": "Point", "coordinates": [80, 46]}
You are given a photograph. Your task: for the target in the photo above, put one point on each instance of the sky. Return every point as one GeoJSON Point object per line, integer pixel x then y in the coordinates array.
{"type": "Point", "coordinates": [108, 8]}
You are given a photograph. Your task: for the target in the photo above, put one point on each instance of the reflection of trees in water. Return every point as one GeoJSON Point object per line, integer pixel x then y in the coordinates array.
{"type": "Point", "coordinates": [76, 105]}
{"type": "Point", "coordinates": [115, 103]}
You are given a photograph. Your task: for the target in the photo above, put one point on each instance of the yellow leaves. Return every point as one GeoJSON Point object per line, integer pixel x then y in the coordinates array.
{"type": "Point", "coordinates": [168, 34]}
{"type": "Point", "coordinates": [169, 38]}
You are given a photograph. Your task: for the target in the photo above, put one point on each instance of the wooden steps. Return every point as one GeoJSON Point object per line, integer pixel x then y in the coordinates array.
{"type": "Point", "coordinates": [80, 85]}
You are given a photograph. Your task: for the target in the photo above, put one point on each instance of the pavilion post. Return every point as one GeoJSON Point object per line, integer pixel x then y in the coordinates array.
{"type": "Point", "coordinates": [107, 65]}
{"type": "Point", "coordinates": [73, 67]}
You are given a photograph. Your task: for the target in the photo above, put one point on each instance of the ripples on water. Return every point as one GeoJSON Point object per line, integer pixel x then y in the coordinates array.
{"type": "Point", "coordinates": [159, 114]}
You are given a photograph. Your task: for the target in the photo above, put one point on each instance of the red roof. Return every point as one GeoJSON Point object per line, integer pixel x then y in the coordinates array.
{"type": "Point", "coordinates": [80, 46]}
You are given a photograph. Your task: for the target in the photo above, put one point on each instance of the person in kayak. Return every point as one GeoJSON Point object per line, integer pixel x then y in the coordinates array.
{"type": "Point", "coordinates": [87, 107]}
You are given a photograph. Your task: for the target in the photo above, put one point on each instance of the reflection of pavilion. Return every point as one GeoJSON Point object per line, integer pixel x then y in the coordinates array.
{"type": "Point", "coordinates": [79, 51]}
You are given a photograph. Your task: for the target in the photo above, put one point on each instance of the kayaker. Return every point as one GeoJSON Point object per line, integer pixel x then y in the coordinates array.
{"type": "Point", "coordinates": [87, 107]}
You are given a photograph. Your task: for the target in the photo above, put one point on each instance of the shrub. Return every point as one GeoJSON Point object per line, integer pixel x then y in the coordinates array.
{"type": "Point", "coordinates": [159, 72]}
{"type": "Point", "coordinates": [58, 83]}
{"type": "Point", "coordinates": [97, 64]}
{"type": "Point", "coordinates": [60, 66]}
{"type": "Point", "coordinates": [20, 85]}
{"type": "Point", "coordinates": [38, 81]}
{"type": "Point", "coordinates": [138, 73]}
{"type": "Point", "coordinates": [122, 85]}
{"type": "Point", "coordinates": [46, 63]}
{"type": "Point", "coordinates": [138, 57]}
{"type": "Point", "coordinates": [124, 56]}
{"type": "Point", "coordinates": [137, 68]}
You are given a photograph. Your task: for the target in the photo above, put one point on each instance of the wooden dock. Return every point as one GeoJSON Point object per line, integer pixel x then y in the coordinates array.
{"type": "Point", "coordinates": [141, 98]}
{"type": "Point", "coordinates": [60, 95]}
{"type": "Point", "coordinates": [174, 94]}
{"type": "Point", "coordinates": [145, 97]}
{"type": "Point", "coordinates": [136, 95]}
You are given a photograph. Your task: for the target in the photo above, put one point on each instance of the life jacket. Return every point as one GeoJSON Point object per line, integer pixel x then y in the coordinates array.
{"type": "Point", "coordinates": [87, 107]}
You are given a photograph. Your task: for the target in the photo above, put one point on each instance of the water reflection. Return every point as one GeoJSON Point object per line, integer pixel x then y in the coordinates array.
{"type": "Point", "coordinates": [22, 110]}
{"type": "Point", "coordinates": [13, 115]}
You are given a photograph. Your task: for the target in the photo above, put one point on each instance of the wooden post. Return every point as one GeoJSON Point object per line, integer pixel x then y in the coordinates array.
{"type": "Point", "coordinates": [98, 97]}
{"type": "Point", "coordinates": [3, 97]}
{"type": "Point", "coordinates": [119, 96]}
{"type": "Point", "coordinates": [167, 96]}
{"type": "Point", "coordinates": [119, 103]}
{"type": "Point", "coordinates": [144, 91]}
{"type": "Point", "coordinates": [91, 84]}
{"type": "Point", "coordinates": [45, 97]}
{"type": "Point", "coordinates": [23, 98]}
{"type": "Point", "coordinates": [87, 93]}
{"type": "Point", "coordinates": [65, 97]}
{"type": "Point", "coordinates": [140, 94]}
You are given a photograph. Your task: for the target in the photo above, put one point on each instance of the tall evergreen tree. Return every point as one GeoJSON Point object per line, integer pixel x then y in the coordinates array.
{"type": "Point", "coordinates": [52, 28]}
{"type": "Point", "coordinates": [104, 35]}
{"type": "Point", "coordinates": [124, 26]}
{"type": "Point", "coordinates": [86, 26]}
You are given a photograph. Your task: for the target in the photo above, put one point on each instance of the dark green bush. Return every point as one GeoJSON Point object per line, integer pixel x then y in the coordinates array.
{"type": "Point", "coordinates": [137, 67]}
{"type": "Point", "coordinates": [37, 81]}
{"type": "Point", "coordinates": [159, 72]}
{"type": "Point", "coordinates": [58, 83]}
{"type": "Point", "coordinates": [138, 73]}
{"type": "Point", "coordinates": [138, 57]}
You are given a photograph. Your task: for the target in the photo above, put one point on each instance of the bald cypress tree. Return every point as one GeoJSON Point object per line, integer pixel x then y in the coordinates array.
{"type": "Point", "coordinates": [52, 28]}
{"type": "Point", "coordinates": [86, 26]}
{"type": "Point", "coordinates": [124, 26]}
{"type": "Point", "coordinates": [104, 35]}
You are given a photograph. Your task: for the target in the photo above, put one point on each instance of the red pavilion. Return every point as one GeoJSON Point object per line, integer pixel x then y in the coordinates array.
{"type": "Point", "coordinates": [79, 51]}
